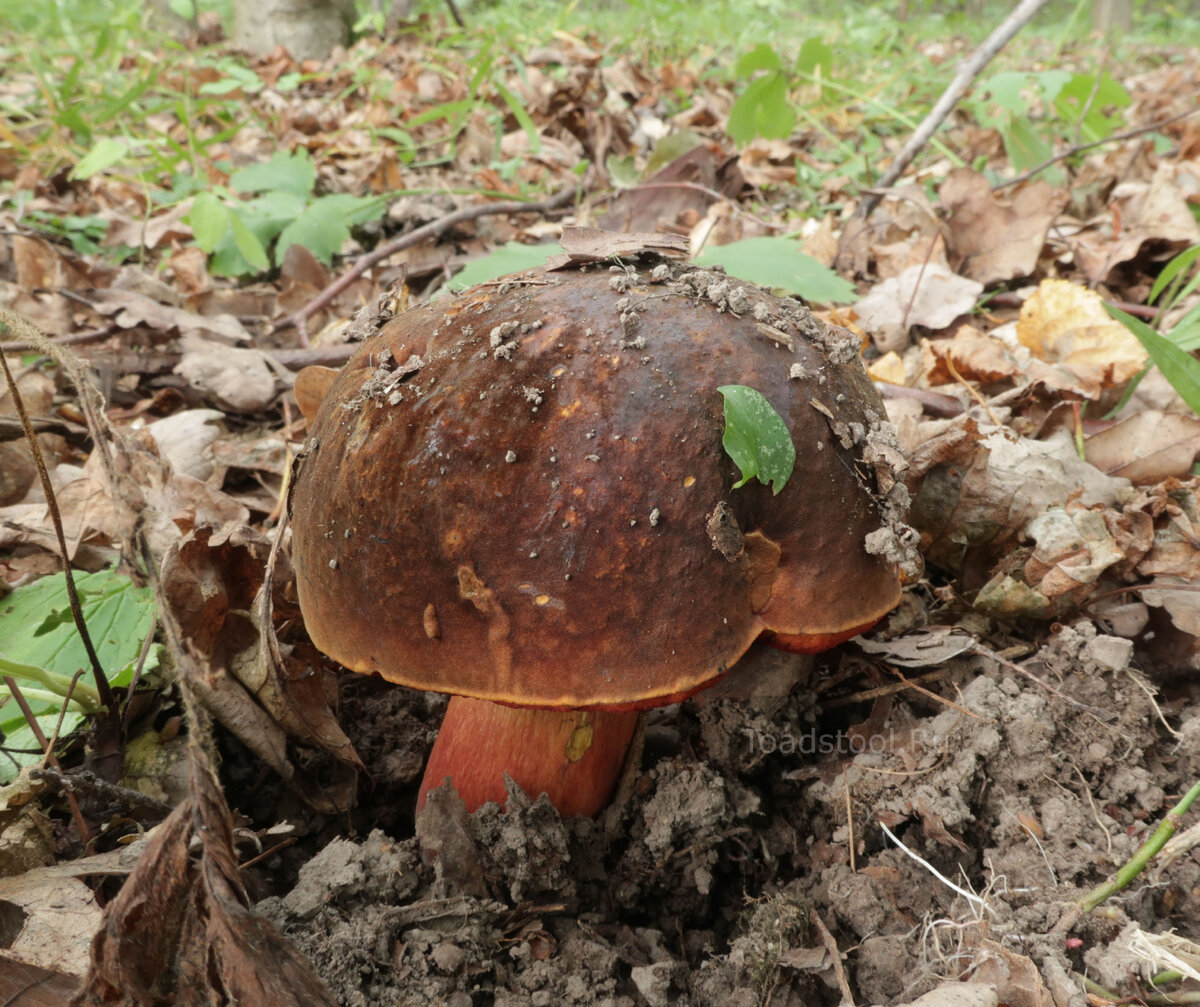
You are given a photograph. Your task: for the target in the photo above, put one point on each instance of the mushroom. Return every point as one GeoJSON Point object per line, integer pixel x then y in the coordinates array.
{"type": "Point", "coordinates": [520, 497]}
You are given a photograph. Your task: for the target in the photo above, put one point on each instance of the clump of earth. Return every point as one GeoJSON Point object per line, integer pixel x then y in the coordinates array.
{"type": "Point", "coordinates": [792, 844]}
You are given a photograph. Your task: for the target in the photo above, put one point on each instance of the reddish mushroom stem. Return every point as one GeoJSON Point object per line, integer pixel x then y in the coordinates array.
{"type": "Point", "coordinates": [574, 756]}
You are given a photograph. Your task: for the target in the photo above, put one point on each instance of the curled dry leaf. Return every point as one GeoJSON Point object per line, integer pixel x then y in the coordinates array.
{"type": "Point", "coordinates": [1066, 323]}
{"type": "Point", "coordinates": [973, 355]}
{"type": "Point", "coordinates": [1149, 218]}
{"type": "Point", "coordinates": [180, 930]}
{"type": "Point", "coordinates": [975, 490]}
{"type": "Point", "coordinates": [588, 244]}
{"type": "Point", "coordinates": [185, 438]}
{"type": "Point", "coordinates": [131, 309]}
{"type": "Point", "coordinates": [215, 584]}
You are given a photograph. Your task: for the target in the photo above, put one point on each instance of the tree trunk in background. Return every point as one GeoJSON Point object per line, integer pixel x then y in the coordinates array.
{"type": "Point", "coordinates": [308, 29]}
{"type": "Point", "coordinates": [1112, 15]}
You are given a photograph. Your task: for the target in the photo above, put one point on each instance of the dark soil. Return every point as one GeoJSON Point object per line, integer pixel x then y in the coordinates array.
{"type": "Point", "coordinates": [754, 829]}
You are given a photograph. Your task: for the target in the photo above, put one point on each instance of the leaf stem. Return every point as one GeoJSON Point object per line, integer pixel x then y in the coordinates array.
{"type": "Point", "coordinates": [84, 693]}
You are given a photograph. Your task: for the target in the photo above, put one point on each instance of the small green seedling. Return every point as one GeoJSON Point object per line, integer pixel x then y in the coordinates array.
{"type": "Point", "coordinates": [756, 438]}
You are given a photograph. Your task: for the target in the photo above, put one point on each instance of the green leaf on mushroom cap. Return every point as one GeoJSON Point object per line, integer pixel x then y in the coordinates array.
{"type": "Point", "coordinates": [756, 438]}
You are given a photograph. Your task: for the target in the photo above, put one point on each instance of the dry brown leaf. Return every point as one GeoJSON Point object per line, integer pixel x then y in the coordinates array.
{"type": "Point", "coordinates": [1147, 447]}
{"type": "Point", "coordinates": [1149, 217]}
{"type": "Point", "coordinates": [1073, 548]}
{"type": "Point", "coordinates": [661, 203]}
{"type": "Point", "coordinates": [974, 495]}
{"type": "Point", "coordinates": [213, 583]}
{"type": "Point", "coordinates": [1014, 976]}
{"type": "Point", "coordinates": [180, 930]}
{"type": "Point", "coordinates": [993, 240]}
{"type": "Point", "coordinates": [238, 379]}
{"type": "Point", "coordinates": [23, 985]}
{"type": "Point", "coordinates": [185, 439]}
{"type": "Point", "coordinates": [588, 244]}
{"type": "Point", "coordinates": [50, 919]}
{"type": "Point", "coordinates": [974, 356]}
{"type": "Point", "coordinates": [131, 309]}
{"type": "Point", "coordinates": [1065, 323]}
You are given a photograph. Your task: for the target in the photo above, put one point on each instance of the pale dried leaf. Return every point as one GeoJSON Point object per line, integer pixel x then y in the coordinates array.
{"type": "Point", "coordinates": [1065, 323]}
{"type": "Point", "coordinates": [53, 916]}
{"type": "Point", "coordinates": [588, 244]}
{"type": "Point", "coordinates": [1147, 447]}
{"type": "Point", "coordinates": [184, 439]}
{"type": "Point", "coordinates": [242, 380]}
{"type": "Point", "coordinates": [940, 298]}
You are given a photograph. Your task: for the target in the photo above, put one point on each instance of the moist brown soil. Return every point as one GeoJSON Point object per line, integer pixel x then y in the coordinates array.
{"type": "Point", "coordinates": [752, 837]}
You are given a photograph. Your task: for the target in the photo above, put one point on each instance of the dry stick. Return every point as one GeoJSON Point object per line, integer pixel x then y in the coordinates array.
{"type": "Point", "coordinates": [85, 835]}
{"type": "Point", "coordinates": [1129, 134]}
{"type": "Point", "coordinates": [967, 72]}
{"type": "Point", "coordinates": [74, 339]}
{"type": "Point", "coordinates": [102, 688]}
{"type": "Point", "coordinates": [835, 958]}
{"type": "Point", "coordinates": [432, 229]}
{"type": "Point", "coordinates": [69, 783]}
{"type": "Point", "coordinates": [714, 195]}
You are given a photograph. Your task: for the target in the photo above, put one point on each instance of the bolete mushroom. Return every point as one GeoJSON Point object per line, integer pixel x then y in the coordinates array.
{"type": "Point", "coordinates": [520, 497]}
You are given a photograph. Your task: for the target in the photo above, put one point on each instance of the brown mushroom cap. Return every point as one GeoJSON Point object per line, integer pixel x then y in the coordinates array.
{"type": "Point", "coordinates": [521, 494]}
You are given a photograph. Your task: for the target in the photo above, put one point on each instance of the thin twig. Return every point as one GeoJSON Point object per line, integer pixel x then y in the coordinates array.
{"type": "Point", "coordinates": [102, 687]}
{"type": "Point", "coordinates": [430, 230]}
{"type": "Point", "coordinates": [934, 696]}
{"type": "Point", "coordinates": [835, 958]}
{"type": "Point", "coordinates": [89, 783]}
{"type": "Point", "coordinates": [74, 339]}
{"type": "Point", "coordinates": [1079, 148]}
{"type": "Point", "coordinates": [85, 835]}
{"type": "Point", "coordinates": [967, 72]}
{"type": "Point", "coordinates": [849, 818]}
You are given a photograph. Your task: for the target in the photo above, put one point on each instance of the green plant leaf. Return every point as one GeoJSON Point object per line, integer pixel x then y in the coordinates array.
{"type": "Point", "coordinates": [209, 220]}
{"type": "Point", "coordinates": [325, 225]}
{"type": "Point", "coordinates": [622, 170]}
{"type": "Point", "coordinates": [247, 243]}
{"type": "Point", "coordinates": [294, 173]}
{"type": "Point", "coordinates": [756, 438]}
{"type": "Point", "coordinates": [1179, 264]}
{"type": "Point", "coordinates": [38, 631]}
{"type": "Point", "coordinates": [1178, 366]}
{"type": "Point", "coordinates": [511, 257]}
{"type": "Point", "coordinates": [763, 110]}
{"type": "Point", "coordinates": [1007, 90]}
{"type": "Point", "coordinates": [1025, 146]}
{"type": "Point", "coordinates": [104, 154]}
{"type": "Point", "coordinates": [761, 57]}
{"type": "Point", "coordinates": [672, 147]}
{"type": "Point", "coordinates": [778, 263]}
{"type": "Point", "coordinates": [1082, 101]}
{"type": "Point", "coordinates": [816, 58]}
